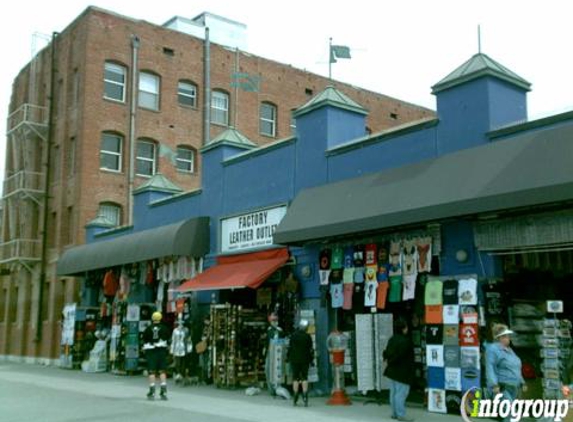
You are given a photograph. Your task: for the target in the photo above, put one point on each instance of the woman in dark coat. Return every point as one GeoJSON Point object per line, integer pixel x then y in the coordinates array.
{"type": "Point", "coordinates": [300, 356]}
{"type": "Point", "coordinates": [399, 356]}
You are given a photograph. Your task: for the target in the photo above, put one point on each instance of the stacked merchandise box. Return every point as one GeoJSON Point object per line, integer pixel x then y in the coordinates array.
{"type": "Point", "coordinates": [78, 335]}
{"type": "Point", "coordinates": [452, 340]}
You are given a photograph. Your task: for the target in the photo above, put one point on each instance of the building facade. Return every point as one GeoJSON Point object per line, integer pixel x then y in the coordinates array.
{"type": "Point", "coordinates": [488, 190]}
{"type": "Point", "coordinates": [128, 103]}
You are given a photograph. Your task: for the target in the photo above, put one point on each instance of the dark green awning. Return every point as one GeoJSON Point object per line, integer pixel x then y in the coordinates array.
{"type": "Point", "coordinates": [187, 238]}
{"type": "Point", "coordinates": [529, 169]}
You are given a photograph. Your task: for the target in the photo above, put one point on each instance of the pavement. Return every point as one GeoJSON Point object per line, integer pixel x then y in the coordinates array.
{"type": "Point", "coordinates": [49, 394]}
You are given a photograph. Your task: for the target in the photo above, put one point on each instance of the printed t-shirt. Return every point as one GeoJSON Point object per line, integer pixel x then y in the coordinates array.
{"type": "Point", "coordinates": [450, 292]}
{"type": "Point", "coordinates": [434, 333]}
{"type": "Point", "coordinates": [337, 257]}
{"type": "Point", "coordinates": [409, 292]}
{"type": "Point", "coordinates": [324, 276]}
{"type": "Point", "coordinates": [395, 289]}
{"type": "Point", "coordinates": [348, 275]}
{"type": "Point", "coordinates": [370, 252]}
{"type": "Point", "coordinates": [469, 335]}
{"type": "Point", "coordinates": [370, 293]}
{"type": "Point", "coordinates": [433, 294]}
{"type": "Point", "coordinates": [359, 274]}
{"type": "Point", "coordinates": [349, 257]}
{"type": "Point", "coordinates": [434, 314]}
{"type": "Point", "coordinates": [359, 256]}
{"type": "Point", "coordinates": [451, 334]}
{"type": "Point", "coordinates": [348, 292]}
{"type": "Point", "coordinates": [336, 295]}
{"type": "Point", "coordinates": [381, 294]}
{"type": "Point", "coordinates": [467, 291]}
{"type": "Point", "coordinates": [324, 259]}
{"type": "Point", "coordinates": [451, 314]}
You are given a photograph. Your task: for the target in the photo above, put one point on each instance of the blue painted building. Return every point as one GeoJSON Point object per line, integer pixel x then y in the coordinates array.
{"type": "Point", "coordinates": [471, 172]}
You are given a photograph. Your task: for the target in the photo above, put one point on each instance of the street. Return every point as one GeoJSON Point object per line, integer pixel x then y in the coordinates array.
{"type": "Point", "coordinates": [48, 394]}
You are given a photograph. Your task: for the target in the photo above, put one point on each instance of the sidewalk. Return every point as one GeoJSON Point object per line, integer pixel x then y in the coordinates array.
{"type": "Point", "coordinates": [208, 401]}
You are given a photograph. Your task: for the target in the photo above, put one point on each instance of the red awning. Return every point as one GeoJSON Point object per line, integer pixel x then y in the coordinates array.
{"type": "Point", "coordinates": [238, 271]}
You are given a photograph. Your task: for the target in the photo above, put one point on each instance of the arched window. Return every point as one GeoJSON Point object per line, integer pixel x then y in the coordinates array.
{"type": "Point", "coordinates": [185, 159]}
{"type": "Point", "coordinates": [146, 157]}
{"type": "Point", "coordinates": [114, 81]}
{"type": "Point", "coordinates": [268, 119]}
{"type": "Point", "coordinates": [220, 108]}
{"type": "Point", "coordinates": [111, 211]}
{"type": "Point", "coordinates": [111, 151]}
{"type": "Point", "coordinates": [149, 85]}
{"type": "Point", "coordinates": [187, 93]}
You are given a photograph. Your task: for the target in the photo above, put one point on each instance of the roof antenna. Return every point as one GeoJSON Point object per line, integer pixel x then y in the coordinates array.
{"type": "Point", "coordinates": [479, 39]}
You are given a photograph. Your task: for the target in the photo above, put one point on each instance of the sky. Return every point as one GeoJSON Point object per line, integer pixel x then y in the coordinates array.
{"type": "Point", "coordinates": [399, 48]}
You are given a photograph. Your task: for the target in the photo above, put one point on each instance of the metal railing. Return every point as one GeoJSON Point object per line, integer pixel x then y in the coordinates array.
{"type": "Point", "coordinates": [20, 250]}
{"type": "Point", "coordinates": [28, 114]}
{"type": "Point", "coordinates": [28, 181]}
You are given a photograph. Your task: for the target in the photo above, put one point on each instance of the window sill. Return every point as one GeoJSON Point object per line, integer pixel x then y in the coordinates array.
{"type": "Point", "coordinates": [114, 101]}
{"type": "Point", "coordinates": [153, 110]}
{"type": "Point", "coordinates": [219, 124]}
{"type": "Point", "coordinates": [266, 135]}
{"type": "Point", "coordinates": [188, 107]}
{"type": "Point", "coordinates": [188, 173]}
{"type": "Point", "coordinates": [110, 171]}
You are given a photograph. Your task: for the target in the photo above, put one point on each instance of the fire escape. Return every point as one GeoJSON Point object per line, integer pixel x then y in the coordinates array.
{"type": "Point", "coordinates": [27, 140]}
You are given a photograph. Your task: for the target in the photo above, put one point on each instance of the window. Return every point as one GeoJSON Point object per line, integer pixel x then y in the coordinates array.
{"type": "Point", "coordinates": [187, 94]}
{"type": "Point", "coordinates": [185, 159]}
{"type": "Point", "coordinates": [71, 226]}
{"type": "Point", "coordinates": [76, 92]}
{"type": "Point", "coordinates": [292, 122]}
{"type": "Point", "coordinates": [114, 82]}
{"type": "Point", "coordinates": [145, 157]}
{"type": "Point", "coordinates": [268, 119]}
{"type": "Point", "coordinates": [111, 212]}
{"type": "Point", "coordinates": [149, 90]}
{"type": "Point", "coordinates": [14, 299]}
{"type": "Point", "coordinates": [111, 152]}
{"type": "Point", "coordinates": [220, 108]}
{"type": "Point", "coordinates": [3, 301]}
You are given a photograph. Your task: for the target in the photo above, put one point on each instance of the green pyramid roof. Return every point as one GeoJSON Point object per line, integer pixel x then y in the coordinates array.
{"type": "Point", "coordinates": [476, 67]}
{"type": "Point", "coordinates": [231, 137]}
{"type": "Point", "coordinates": [101, 221]}
{"type": "Point", "coordinates": [158, 182]}
{"type": "Point", "coordinates": [333, 97]}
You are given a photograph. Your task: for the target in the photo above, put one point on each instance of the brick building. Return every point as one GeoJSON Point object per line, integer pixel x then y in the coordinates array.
{"type": "Point", "coordinates": [117, 82]}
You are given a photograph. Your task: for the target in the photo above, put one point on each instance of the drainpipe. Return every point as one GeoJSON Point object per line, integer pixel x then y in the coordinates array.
{"type": "Point", "coordinates": [207, 89]}
{"type": "Point", "coordinates": [48, 173]}
{"type": "Point", "coordinates": [132, 113]}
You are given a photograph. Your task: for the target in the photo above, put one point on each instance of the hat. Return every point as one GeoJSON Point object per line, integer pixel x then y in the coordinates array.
{"type": "Point", "coordinates": [156, 316]}
{"type": "Point", "coordinates": [501, 330]}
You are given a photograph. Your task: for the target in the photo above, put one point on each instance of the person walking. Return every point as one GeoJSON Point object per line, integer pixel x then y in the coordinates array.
{"type": "Point", "coordinates": [503, 366]}
{"type": "Point", "coordinates": [155, 338]}
{"type": "Point", "coordinates": [300, 355]}
{"type": "Point", "coordinates": [399, 358]}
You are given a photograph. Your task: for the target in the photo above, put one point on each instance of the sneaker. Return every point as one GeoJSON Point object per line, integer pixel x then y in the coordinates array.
{"type": "Point", "coordinates": [163, 393]}
{"type": "Point", "coordinates": [151, 393]}
{"type": "Point", "coordinates": [305, 399]}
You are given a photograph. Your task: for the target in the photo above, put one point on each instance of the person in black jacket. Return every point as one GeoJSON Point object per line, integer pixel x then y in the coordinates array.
{"type": "Point", "coordinates": [300, 356]}
{"type": "Point", "coordinates": [155, 339]}
{"type": "Point", "coordinates": [399, 356]}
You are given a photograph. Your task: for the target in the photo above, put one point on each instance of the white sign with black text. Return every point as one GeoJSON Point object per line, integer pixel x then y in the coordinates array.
{"type": "Point", "coordinates": [250, 231]}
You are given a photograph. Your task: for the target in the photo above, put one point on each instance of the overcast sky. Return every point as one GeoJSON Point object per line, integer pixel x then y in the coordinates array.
{"type": "Point", "coordinates": [399, 48]}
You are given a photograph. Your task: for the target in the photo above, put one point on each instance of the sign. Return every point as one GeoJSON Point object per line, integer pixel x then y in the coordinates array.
{"type": "Point", "coordinates": [555, 306]}
{"type": "Point", "coordinates": [250, 231]}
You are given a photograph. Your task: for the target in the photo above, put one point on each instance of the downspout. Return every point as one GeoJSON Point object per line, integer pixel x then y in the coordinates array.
{"type": "Point", "coordinates": [48, 173]}
{"type": "Point", "coordinates": [207, 89]}
{"type": "Point", "coordinates": [132, 115]}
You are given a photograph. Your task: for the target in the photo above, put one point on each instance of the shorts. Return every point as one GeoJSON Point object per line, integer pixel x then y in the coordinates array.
{"type": "Point", "coordinates": [299, 371]}
{"type": "Point", "coordinates": [157, 360]}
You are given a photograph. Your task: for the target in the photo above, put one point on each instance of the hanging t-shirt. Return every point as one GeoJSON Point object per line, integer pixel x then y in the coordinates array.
{"type": "Point", "coordinates": [324, 276]}
{"type": "Point", "coordinates": [409, 291]}
{"type": "Point", "coordinates": [348, 275]}
{"type": "Point", "coordinates": [381, 294]}
{"type": "Point", "coordinates": [470, 357]}
{"type": "Point", "coordinates": [382, 254]}
{"type": "Point", "coordinates": [451, 334]}
{"type": "Point", "coordinates": [469, 335]}
{"type": "Point", "coordinates": [336, 276]}
{"type": "Point", "coordinates": [336, 295]}
{"type": "Point", "coordinates": [370, 251]}
{"type": "Point", "coordinates": [424, 247]}
{"type": "Point", "coordinates": [467, 291]}
{"type": "Point", "coordinates": [434, 314]}
{"type": "Point", "coordinates": [348, 292]}
{"type": "Point", "coordinates": [409, 258]}
{"type": "Point", "coordinates": [435, 355]}
{"type": "Point", "coordinates": [359, 274]}
{"type": "Point", "coordinates": [110, 284]}
{"type": "Point", "coordinates": [349, 257]}
{"type": "Point", "coordinates": [370, 274]}
{"type": "Point", "coordinates": [433, 292]}
{"type": "Point", "coordinates": [434, 333]}
{"type": "Point", "coordinates": [370, 293]}
{"type": "Point", "coordinates": [324, 259]}
{"type": "Point", "coordinates": [450, 292]}
{"type": "Point", "coordinates": [436, 377]}
{"type": "Point", "coordinates": [395, 258]}
{"type": "Point", "coordinates": [469, 314]}
{"type": "Point", "coordinates": [452, 356]}
{"type": "Point", "coordinates": [453, 379]}
{"type": "Point", "coordinates": [451, 314]}
{"type": "Point", "coordinates": [395, 289]}
{"type": "Point", "coordinates": [359, 255]}
{"type": "Point", "coordinates": [337, 258]}
{"type": "Point", "coordinates": [382, 274]}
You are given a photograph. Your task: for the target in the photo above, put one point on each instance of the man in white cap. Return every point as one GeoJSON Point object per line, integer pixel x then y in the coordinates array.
{"type": "Point", "coordinates": [503, 366]}
{"type": "Point", "coordinates": [300, 356]}
{"type": "Point", "coordinates": [155, 339]}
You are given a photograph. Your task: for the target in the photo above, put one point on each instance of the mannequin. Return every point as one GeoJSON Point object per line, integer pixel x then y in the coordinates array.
{"type": "Point", "coordinates": [179, 343]}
